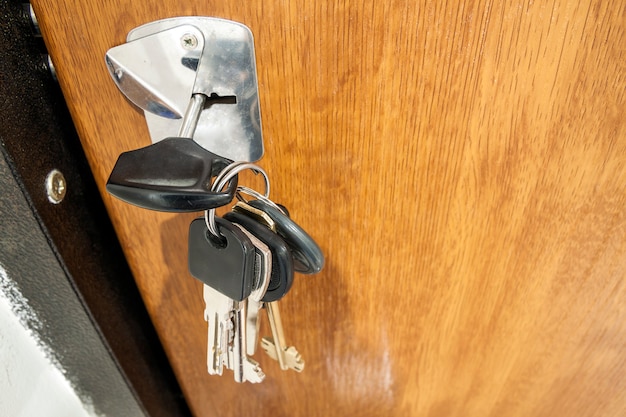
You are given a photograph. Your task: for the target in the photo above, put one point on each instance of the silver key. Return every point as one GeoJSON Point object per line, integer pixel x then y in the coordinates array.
{"type": "Point", "coordinates": [218, 314]}
{"type": "Point", "coordinates": [228, 273]}
{"type": "Point", "coordinates": [244, 367]}
{"type": "Point", "coordinates": [287, 356]}
{"type": "Point", "coordinates": [293, 360]}
{"type": "Point", "coordinates": [227, 338]}
{"type": "Point", "coordinates": [263, 272]}
{"type": "Point", "coordinates": [253, 325]}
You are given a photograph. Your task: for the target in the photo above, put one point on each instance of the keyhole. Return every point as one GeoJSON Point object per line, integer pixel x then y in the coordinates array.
{"type": "Point", "coordinates": [214, 98]}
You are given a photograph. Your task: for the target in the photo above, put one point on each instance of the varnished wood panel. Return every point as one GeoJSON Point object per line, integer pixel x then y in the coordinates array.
{"type": "Point", "coordinates": [463, 167]}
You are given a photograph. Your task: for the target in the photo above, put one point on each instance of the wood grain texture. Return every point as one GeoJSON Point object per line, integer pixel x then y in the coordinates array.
{"type": "Point", "coordinates": [463, 167]}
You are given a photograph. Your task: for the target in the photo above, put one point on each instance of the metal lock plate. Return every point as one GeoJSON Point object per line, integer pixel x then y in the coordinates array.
{"type": "Point", "coordinates": [165, 62]}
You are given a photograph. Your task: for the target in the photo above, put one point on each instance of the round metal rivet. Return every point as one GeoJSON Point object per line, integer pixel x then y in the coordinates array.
{"type": "Point", "coordinates": [55, 186]}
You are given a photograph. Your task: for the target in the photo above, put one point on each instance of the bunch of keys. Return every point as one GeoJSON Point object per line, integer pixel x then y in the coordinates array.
{"type": "Point", "coordinates": [199, 73]}
{"type": "Point", "coordinates": [246, 260]}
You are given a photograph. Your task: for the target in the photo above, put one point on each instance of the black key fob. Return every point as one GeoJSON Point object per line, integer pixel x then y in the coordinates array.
{"type": "Point", "coordinates": [225, 264]}
{"type": "Point", "coordinates": [171, 175]}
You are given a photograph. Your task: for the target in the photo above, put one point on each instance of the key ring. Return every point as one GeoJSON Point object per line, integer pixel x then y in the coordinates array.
{"type": "Point", "coordinates": [253, 193]}
{"type": "Point", "coordinates": [233, 169]}
{"type": "Point", "coordinates": [223, 178]}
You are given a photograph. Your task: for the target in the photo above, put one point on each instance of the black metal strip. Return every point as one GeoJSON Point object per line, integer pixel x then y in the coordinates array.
{"type": "Point", "coordinates": [36, 136]}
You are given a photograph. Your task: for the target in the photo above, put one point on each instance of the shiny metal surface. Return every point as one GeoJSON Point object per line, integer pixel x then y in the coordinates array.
{"type": "Point", "coordinates": [244, 367]}
{"type": "Point", "coordinates": [56, 186]}
{"type": "Point", "coordinates": [156, 72]}
{"type": "Point", "coordinates": [192, 114]}
{"type": "Point", "coordinates": [165, 62]}
{"type": "Point", "coordinates": [223, 178]}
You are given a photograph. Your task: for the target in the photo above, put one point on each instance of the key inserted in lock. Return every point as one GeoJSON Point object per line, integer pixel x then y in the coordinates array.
{"type": "Point", "coordinates": [195, 79]}
{"type": "Point", "coordinates": [164, 63]}
{"type": "Point", "coordinates": [173, 174]}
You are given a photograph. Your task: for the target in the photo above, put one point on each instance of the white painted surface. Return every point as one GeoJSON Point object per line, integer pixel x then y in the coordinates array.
{"type": "Point", "coordinates": [30, 384]}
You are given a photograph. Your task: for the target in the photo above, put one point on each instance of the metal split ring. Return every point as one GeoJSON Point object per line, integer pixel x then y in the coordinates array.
{"type": "Point", "coordinates": [253, 193]}
{"type": "Point", "coordinates": [223, 178]}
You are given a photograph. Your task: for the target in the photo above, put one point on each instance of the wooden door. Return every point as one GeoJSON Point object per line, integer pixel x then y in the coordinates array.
{"type": "Point", "coordinates": [461, 164]}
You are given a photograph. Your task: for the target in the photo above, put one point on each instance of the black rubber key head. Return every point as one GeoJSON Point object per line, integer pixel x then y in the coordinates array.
{"type": "Point", "coordinates": [282, 263]}
{"type": "Point", "coordinates": [226, 265]}
{"type": "Point", "coordinates": [171, 175]}
{"type": "Point", "coordinates": [307, 256]}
